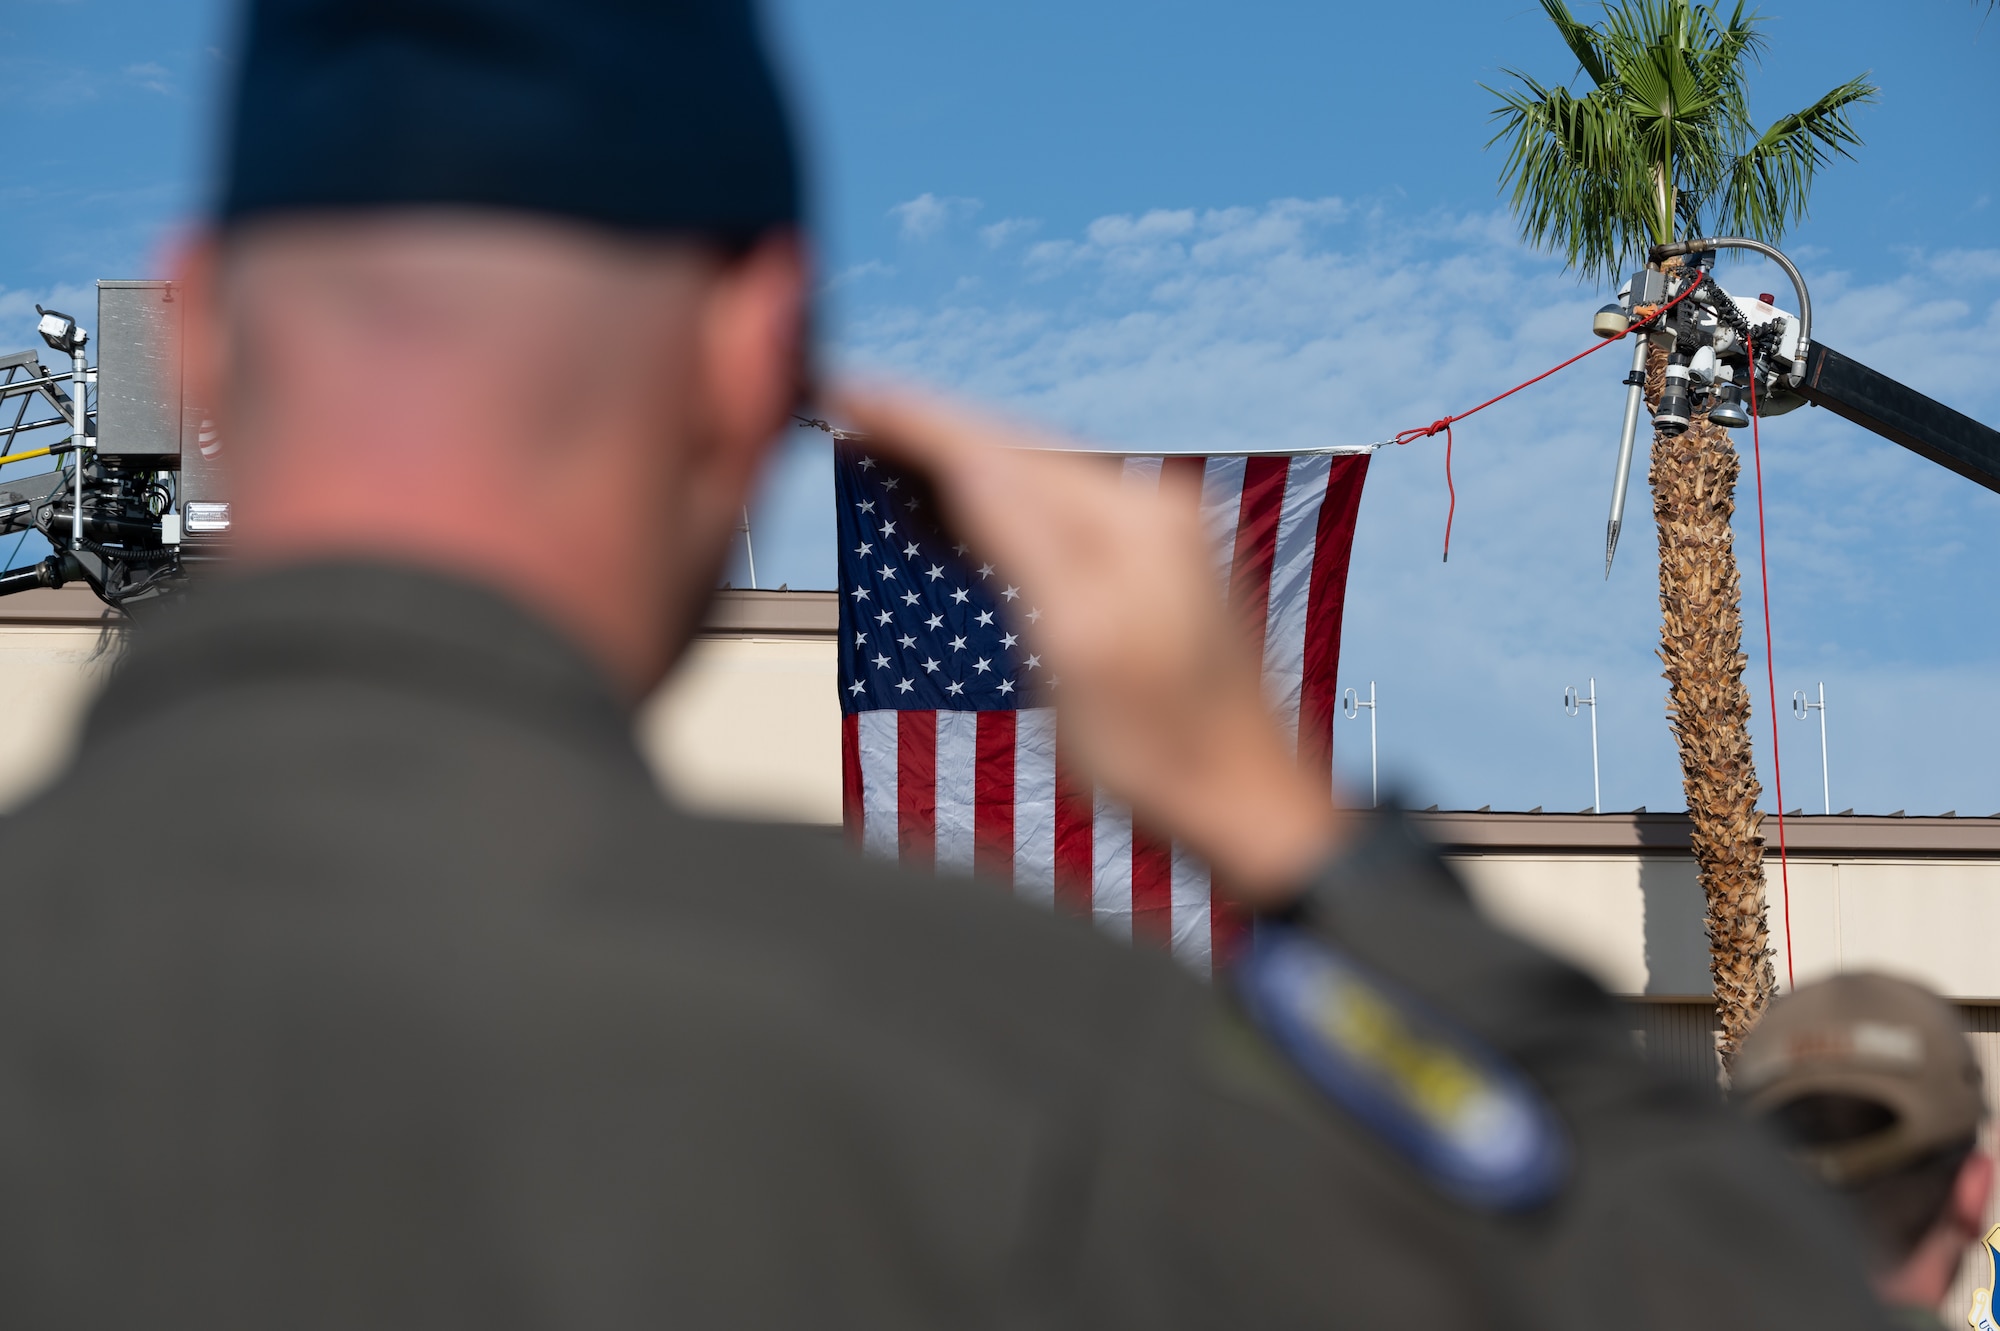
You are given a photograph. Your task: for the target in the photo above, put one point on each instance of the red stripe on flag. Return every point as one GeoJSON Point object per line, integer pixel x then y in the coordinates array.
{"type": "Point", "coordinates": [1334, 543]}
{"type": "Point", "coordinates": [1152, 888]}
{"type": "Point", "coordinates": [993, 797]}
{"type": "Point", "coordinates": [1076, 824]}
{"type": "Point", "coordinates": [1257, 545]}
{"type": "Point", "coordinates": [850, 775]}
{"type": "Point", "coordinates": [916, 788]}
{"type": "Point", "coordinates": [1250, 597]}
{"type": "Point", "coordinates": [1228, 927]}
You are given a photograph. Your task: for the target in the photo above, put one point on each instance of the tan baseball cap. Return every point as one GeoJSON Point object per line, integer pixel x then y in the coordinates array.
{"type": "Point", "coordinates": [1891, 1054]}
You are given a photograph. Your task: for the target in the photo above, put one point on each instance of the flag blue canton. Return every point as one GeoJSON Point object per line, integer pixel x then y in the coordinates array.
{"type": "Point", "coordinates": [922, 626]}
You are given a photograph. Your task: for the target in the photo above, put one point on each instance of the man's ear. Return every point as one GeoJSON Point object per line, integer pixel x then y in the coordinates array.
{"type": "Point", "coordinates": [754, 329]}
{"type": "Point", "coordinates": [1970, 1193]}
{"type": "Point", "coordinates": [196, 264]}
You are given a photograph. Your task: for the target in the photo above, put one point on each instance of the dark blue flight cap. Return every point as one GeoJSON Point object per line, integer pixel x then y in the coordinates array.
{"type": "Point", "coordinates": [645, 115]}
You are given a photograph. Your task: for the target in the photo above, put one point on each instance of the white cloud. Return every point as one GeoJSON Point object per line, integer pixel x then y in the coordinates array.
{"type": "Point", "coordinates": [1310, 322]}
{"type": "Point", "coordinates": [1005, 230]}
{"type": "Point", "coordinates": [928, 214]}
{"type": "Point", "coordinates": [150, 76]}
{"type": "Point", "coordinates": [859, 272]}
{"type": "Point", "coordinates": [17, 312]}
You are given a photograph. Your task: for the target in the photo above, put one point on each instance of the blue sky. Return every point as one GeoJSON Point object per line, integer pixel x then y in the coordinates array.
{"type": "Point", "coordinates": [1184, 225]}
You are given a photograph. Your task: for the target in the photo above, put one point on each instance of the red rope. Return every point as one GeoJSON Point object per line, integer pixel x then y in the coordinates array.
{"type": "Point", "coordinates": [1770, 663]}
{"type": "Point", "coordinates": [1444, 425]}
{"type": "Point", "coordinates": [1452, 491]}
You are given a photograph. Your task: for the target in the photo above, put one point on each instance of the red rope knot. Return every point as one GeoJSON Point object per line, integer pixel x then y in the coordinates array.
{"type": "Point", "coordinates": [1425, 431]}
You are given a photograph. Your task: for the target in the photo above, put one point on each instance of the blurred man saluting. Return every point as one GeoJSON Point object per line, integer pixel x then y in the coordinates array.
{"type": "Point", "coordinates": [405, 1003]}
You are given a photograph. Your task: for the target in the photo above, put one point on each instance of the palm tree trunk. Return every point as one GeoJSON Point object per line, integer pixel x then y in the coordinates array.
{"type": "Point", "coordinates": [1708, 709]}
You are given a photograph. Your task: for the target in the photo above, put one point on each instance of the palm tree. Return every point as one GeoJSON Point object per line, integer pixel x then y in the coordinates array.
{"type": "Point", "coordinates": [1659, 146]}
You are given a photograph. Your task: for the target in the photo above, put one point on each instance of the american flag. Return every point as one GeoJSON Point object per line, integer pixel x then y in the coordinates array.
{"type": "Point", "coordinates": [951, 753]}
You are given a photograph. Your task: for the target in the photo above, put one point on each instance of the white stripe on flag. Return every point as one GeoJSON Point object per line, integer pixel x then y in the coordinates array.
{"type": "Point", "coordinates": [1291, 589]}
{"type": "Point", "coordinates": [1221, 506]}
{"type": "Point", "coordinates": [1111, 866]}
{"type": "Point", "coordinates": [1035, 804]}
{"type": "Point", "coordinates": [878, 783]}
{"type": "Point", "coordinates": [1190, 917]}
{"type": "Point", "coordinates": [957, 772]}
{"type": "Point", "coordinates": [1142, 473]}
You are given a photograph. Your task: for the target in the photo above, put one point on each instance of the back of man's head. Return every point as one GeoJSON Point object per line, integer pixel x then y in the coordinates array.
{"type": "Point", "coordinates": [530, 270]}
{"type": "Point", "coordinates": [1871, 1081]}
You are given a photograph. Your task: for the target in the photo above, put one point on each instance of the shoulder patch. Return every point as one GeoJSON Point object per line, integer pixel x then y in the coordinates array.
{"type": "Point", "coordinates": [1980, 1315]}
{"type": "Point", "coordinates": [1464, 1116]}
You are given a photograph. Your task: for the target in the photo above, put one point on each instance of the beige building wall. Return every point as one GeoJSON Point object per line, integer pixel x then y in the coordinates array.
{"type": "Point", "coordinates": [1635, 921]}
{"type": "Point", "coordinates": [54, 654]}
{"type": "Point", "coordinates": [750, 726]}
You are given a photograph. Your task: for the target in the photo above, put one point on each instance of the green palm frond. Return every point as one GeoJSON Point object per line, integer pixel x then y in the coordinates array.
{"type": "Point", "coordinates": [1661, 143]}
{"type": "Point", "coordinates": [1582, 41]}
{"type": "Point", "coordinates": [1769, 184]}
{"type": "Point", "coordinates": [1568, 163]}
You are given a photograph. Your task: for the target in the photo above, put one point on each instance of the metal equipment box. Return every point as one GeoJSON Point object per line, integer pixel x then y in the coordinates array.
{"type": "Point", "coordinates": [139, 408]}
{"type": "Point", "coordinates": [144, 413]}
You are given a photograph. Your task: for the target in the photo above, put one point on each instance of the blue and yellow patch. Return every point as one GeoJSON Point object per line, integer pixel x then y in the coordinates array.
{"type": "Point", "coordinates": [1471, 1122]}
{"type": "Point", "coordinates": [1980, 1315]}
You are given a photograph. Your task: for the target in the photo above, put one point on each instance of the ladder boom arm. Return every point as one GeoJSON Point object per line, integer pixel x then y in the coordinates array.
{"type": "Point", "coordinates": [1900, 413]}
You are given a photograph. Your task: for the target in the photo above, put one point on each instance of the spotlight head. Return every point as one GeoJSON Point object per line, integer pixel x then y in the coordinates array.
{"type": "Point", "coordinates": [1727, 409]}
{"type": "Point", "coordinates": [59, 330]}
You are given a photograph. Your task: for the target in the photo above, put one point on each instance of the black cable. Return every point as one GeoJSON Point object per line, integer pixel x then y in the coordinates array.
{"type": "Point", "coordinates": [164, 554]}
